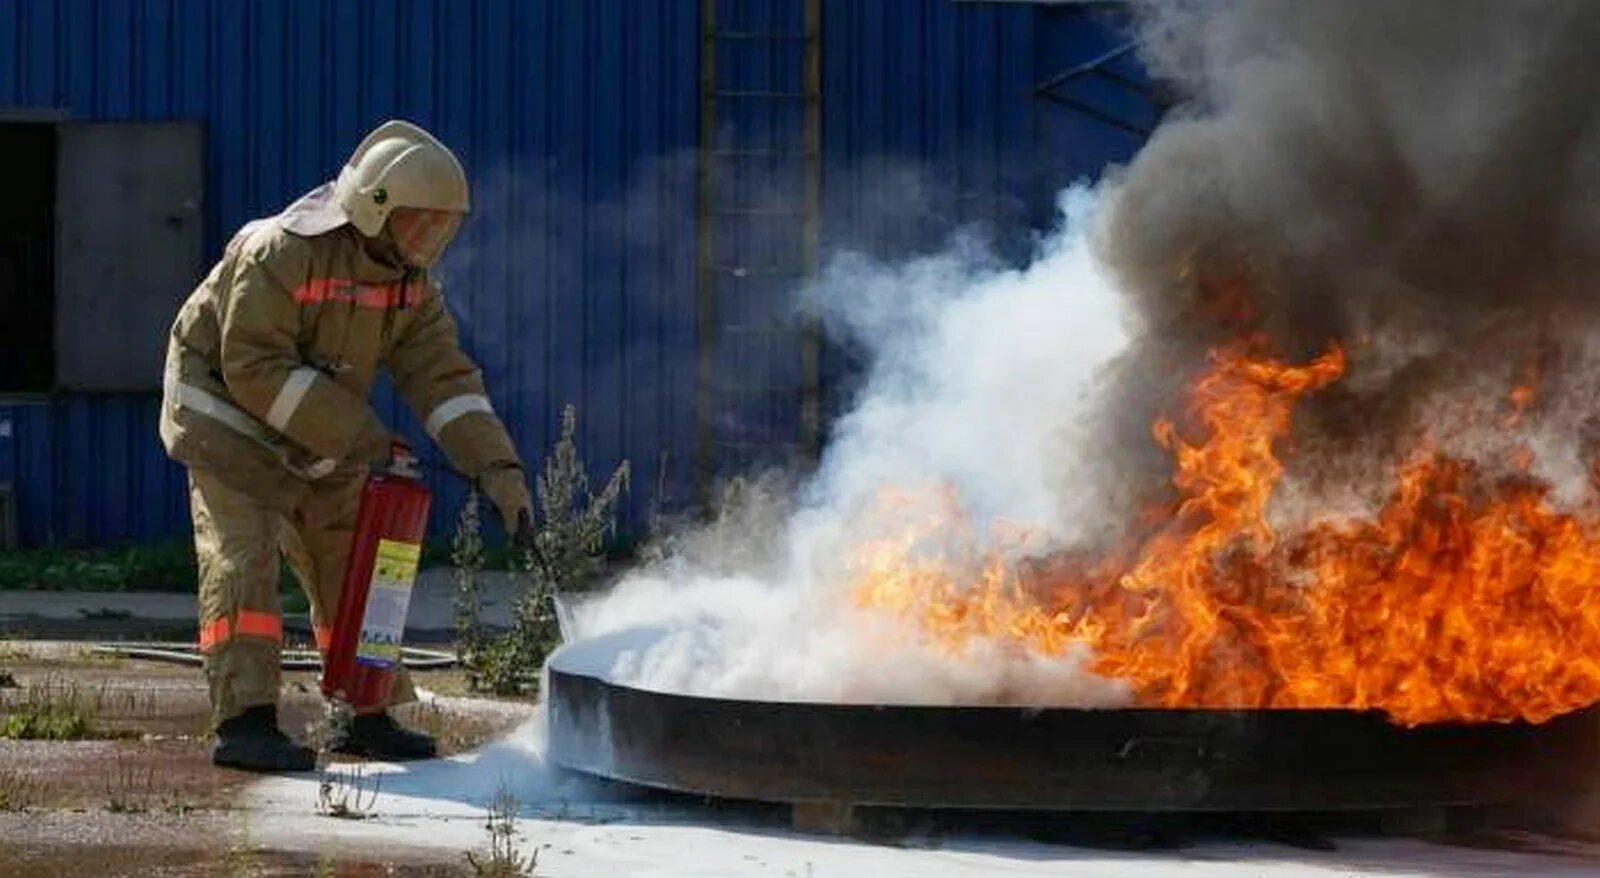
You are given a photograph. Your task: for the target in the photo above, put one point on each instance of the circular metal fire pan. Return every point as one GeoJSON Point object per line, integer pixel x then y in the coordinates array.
{"type": "Point", "coordinates": [1056, 759]}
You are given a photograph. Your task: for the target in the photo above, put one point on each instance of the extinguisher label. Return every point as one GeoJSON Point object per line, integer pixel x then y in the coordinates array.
{"type": "Point", "coordinates": [384, 624]}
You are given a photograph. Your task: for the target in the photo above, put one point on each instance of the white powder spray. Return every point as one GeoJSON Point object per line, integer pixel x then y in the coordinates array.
{"type": "Point", "coordinates": [979, 377]}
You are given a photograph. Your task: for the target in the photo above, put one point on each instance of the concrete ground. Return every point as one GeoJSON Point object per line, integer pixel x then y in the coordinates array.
{"type": "Point", "coordinates": [578, 828]}
{"type": "Point", "coordinates": [140, 798]}
{"type": "Point", "coordinates": [138, 795]}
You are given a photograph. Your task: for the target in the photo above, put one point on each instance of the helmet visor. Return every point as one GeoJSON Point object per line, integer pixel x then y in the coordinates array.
{"type": "Point", "coordinates": [421, 235]}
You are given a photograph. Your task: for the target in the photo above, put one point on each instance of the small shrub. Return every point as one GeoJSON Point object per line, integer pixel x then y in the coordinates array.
{"type": "Point", "coordinates": [569, 543]}
{"type": "Point", "coordinates": [48, 712]}
{"type": "Point", "coordinates": [467, 557]}
{"type": "Point", "coordinates": [129, 788]}
{"type": "Point", "coordinates": [567, 550]}
{"type": "Point", "coordinates": [347, 795]}
{"type": "Point", "coordinates": [502, 860]}
{"type": "Point", "coordinates": [28, 724]}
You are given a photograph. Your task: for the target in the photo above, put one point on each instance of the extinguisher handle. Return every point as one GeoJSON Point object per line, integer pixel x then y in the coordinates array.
{"type": "Point", "coordinates": [401, 461]}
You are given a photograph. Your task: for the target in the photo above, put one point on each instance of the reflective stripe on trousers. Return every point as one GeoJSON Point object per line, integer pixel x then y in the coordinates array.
{"type": "Point", "coordinates": [248, 623]}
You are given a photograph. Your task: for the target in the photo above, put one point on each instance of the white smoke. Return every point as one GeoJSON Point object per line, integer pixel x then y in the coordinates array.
{"type": "Point", "coordinates": [979, 377]}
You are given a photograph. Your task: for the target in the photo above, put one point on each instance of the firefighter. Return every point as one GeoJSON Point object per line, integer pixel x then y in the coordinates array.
{"type": "Point", "coordinates": [268, 370]}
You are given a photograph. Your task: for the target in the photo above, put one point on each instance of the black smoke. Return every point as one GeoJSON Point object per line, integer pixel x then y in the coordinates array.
{"type": "Point", "coordinates": [1417, 180]}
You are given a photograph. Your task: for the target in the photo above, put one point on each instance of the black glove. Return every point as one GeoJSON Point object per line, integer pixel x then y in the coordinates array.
{"type": "Point", "coordinates": [507, 488]}
{"type": "Point", "coordinates": [523, 536]}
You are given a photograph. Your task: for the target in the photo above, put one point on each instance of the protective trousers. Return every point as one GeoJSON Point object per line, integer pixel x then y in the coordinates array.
{"type": "Point", "coordinates": [237, 542]}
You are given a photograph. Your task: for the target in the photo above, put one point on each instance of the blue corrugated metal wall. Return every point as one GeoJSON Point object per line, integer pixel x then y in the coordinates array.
{"type": "Point", "coordinates": [578, 120]}
{"type": "Point", "coordinates": [930, 106]}
{"type": "Point", "coordinates": [931, 123]}
{"type": "Point", "coordinates": [931, 120]}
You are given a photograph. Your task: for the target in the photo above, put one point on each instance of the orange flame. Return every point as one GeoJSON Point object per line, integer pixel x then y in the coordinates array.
{"type": "Point", "coordinates": [1467, 597]}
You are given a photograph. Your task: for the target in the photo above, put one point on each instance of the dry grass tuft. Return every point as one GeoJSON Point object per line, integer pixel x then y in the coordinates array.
{"type": "Point", "coordinates": [502, 860]}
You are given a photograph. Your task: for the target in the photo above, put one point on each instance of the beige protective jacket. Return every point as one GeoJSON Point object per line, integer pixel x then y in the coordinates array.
{"type": "Point", "coordinates": [272, 358]}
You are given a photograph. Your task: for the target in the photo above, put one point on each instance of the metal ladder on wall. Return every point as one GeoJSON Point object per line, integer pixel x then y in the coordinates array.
{"type": "Point", "coordinates": [728, 148]}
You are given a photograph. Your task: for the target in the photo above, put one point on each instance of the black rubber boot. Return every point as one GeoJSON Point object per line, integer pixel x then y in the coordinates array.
{"type": "Point", "coordinates": [378, 736]}
{"type": "Point", "coordinates": [252, 741]}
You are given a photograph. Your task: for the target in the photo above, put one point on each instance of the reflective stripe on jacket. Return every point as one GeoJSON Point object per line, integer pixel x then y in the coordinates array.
{"type": "Point", "coordinates": [272, 358]}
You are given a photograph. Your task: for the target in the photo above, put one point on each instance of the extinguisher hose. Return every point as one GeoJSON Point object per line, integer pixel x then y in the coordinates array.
{"type": "Point", "coordinates": [291, 660]}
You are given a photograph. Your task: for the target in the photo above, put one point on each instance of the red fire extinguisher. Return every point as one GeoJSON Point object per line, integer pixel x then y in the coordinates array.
{"type": "Point", "coordinates": [364, 649]}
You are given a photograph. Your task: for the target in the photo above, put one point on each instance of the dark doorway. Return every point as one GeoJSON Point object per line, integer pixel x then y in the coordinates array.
{"type": "Point", "coordinates": [27, 244]}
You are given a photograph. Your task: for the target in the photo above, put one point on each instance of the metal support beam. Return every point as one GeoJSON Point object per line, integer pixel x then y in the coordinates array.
{"type": "Point", "coordinates": [720, 210]}
{"type": "Point", "coordinates": [705, 263]}
{"type": "Point", "coordinates": [1092, 66]}
{"type": "Point", "coordinates": [1099, 69]}
{"type": "Point", "coordinates": [811, 333]}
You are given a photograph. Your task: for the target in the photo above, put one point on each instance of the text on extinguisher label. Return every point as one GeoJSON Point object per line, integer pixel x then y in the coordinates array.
{"type": "Point", "coordinates": [384, 623]}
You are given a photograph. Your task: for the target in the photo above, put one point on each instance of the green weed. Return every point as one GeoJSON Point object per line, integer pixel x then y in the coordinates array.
{"type": "Point", "coordinates": [48, 712]}
{"type": "Point", "coordinates": [129, 788]}
{"type": "Point", "coordinates": [167, 566]}
{"type": "Point", "coordinates": [32, 725]}
{"type": "Point", "coordinates": [566, 550]}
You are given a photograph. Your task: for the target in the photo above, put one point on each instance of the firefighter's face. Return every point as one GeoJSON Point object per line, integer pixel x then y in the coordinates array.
{"type": "Point", "coordinates": [421, 235]}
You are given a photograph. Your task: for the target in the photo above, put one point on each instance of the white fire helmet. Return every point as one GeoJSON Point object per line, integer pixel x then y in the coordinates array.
{"type": "Point", "coordinates": [401, 165]}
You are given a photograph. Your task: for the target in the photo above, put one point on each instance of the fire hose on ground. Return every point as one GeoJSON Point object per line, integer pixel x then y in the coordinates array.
{"type": "Point", "coordinates": [293, 659]}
